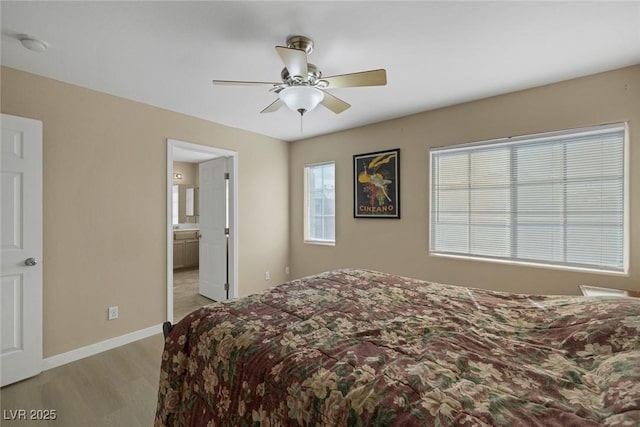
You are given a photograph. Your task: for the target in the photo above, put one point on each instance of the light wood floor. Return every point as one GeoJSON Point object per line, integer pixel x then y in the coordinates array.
{"type": "Point", "coordinates": [185, 293]}
{"type": "Point", "coordinates": [116, 388]}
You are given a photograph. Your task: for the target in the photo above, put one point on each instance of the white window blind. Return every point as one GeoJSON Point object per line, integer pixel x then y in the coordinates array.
{"type": "Point", "coordinates": [555, 199]}
{"type": "Point", "coordinates": [319, 221]}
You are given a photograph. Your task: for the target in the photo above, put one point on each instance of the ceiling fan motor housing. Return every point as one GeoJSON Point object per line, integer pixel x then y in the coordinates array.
{"type": "Point", "coordinates": [313, 74]}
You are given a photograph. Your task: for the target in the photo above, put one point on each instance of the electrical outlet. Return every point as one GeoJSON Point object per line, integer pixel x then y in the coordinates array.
{"type": "Point", "coordinates": [267, 275]}
{"type": "Point", "coordinates": [286, 270]}
{"type": "Point", "coordinates": [113, 312]}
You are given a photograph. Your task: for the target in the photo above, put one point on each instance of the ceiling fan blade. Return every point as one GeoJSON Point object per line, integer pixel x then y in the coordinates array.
{"type": "Point", "coordinates": [295, 60]}
{"type": "Point", "coordinates": [364, 78]}
{"type": "Point", "coordinates": [334, 103]}
{"type": "Point", "coordinates": [274, 106]}
{"type": "Point", "coordinates": [240, 83]}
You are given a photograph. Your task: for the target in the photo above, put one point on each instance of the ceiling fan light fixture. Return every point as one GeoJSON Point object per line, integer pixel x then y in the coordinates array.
{"type": "Point", "coordinates": [301, 98]}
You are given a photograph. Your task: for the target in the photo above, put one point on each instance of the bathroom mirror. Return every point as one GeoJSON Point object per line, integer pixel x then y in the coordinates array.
{"type": "Point", "coordinates": [190, 201]}
{"type": "Point", "coordinates": [185, 203]}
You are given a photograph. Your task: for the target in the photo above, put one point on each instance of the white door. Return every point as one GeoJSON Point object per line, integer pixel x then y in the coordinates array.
{"type": "Point", "coordinates": [21, 285]}
{"type": "Point", "coordinates": [213, 222]}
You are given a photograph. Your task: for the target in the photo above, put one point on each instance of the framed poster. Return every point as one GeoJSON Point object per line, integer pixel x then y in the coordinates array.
{"type": "Point", "coordinates": [376, 184]}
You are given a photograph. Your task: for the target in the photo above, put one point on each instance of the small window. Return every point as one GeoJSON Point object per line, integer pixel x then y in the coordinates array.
{"type": "Point", "coordinates": [319, 203]}
{"type": "Point", "coordinates": [556, 199]}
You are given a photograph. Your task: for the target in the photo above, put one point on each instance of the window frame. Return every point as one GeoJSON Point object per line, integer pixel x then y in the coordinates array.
{"type": "Point", "coordinates": [624, 271]}
{"type": "Point", "coordinates": [307, 212]}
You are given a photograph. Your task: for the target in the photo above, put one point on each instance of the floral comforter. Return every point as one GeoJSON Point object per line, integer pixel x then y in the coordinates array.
{"type": "Point", "coordinates": [356, 347]}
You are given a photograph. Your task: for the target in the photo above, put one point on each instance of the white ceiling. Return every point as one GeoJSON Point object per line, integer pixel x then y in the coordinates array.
{"type": "Point", "coordinates": [165, 53]}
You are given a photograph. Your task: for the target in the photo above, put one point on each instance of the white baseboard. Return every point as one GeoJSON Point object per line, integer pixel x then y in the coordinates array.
{"type": "Point", "coordinates": [90, 350]}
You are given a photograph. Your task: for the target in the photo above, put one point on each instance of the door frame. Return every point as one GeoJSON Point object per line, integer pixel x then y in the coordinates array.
{"type": "Point", "coordinates": [233, 214]}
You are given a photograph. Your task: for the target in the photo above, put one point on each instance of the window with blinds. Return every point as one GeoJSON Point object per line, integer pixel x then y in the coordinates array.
{"type": "Point", "coordinates": [554, 199]}
{"type": "Point", "coordinates": [320, 201]}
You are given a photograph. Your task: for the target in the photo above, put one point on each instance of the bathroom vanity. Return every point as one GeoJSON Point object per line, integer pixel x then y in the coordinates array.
{"type": "Point", "coordinates": [186, 248]}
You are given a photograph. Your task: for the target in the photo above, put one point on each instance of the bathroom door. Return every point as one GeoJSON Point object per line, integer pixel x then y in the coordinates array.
{"type": "Point", "coordinates": [21, 284]}
{"type": "Point", "coordinates": [213, 225]}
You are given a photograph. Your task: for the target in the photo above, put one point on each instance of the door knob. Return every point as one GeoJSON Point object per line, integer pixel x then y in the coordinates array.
{"type": "Point", "coordinates": [30, 262]}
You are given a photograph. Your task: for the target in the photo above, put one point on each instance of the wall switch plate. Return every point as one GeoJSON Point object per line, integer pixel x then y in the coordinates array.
{"type": "Point", "coordinates": [113, 312]}
{"type": "Point", "coordinates": [267, 275]}
{"type": "Point", "coordinates": [286, 270]}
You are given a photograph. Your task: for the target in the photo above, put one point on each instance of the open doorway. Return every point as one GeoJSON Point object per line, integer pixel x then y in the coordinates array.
{"type": "Point", "coordinates": [201, 226]}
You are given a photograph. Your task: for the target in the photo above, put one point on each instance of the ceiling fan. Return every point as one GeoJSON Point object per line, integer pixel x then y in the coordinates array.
{"type": "Point", "coordinates": [303, 87]}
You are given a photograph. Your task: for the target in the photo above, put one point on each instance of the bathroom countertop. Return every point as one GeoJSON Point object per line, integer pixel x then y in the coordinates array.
{"type": "Point", "coordinates": [187, 227]}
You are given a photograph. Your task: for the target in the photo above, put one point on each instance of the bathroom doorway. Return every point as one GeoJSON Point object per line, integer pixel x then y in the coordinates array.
{"type": "Point", "coordinates": [201, 226]}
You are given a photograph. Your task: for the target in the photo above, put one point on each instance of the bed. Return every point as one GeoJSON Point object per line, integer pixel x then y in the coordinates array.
{"type": "Point", "coordinates": [357, 347]}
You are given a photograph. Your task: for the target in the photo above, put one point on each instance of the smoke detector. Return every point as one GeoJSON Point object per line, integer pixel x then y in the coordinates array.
{"type": "Point", "coordinates": [33, 43]}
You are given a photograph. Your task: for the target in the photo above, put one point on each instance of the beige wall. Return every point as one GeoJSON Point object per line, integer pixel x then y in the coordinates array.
{"type": "Point", "coordinates": [189, 173]}
{"type": "Point", "coordinates": [105, 205]}
{"type": "Point", "coordinates": [401, 246]}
